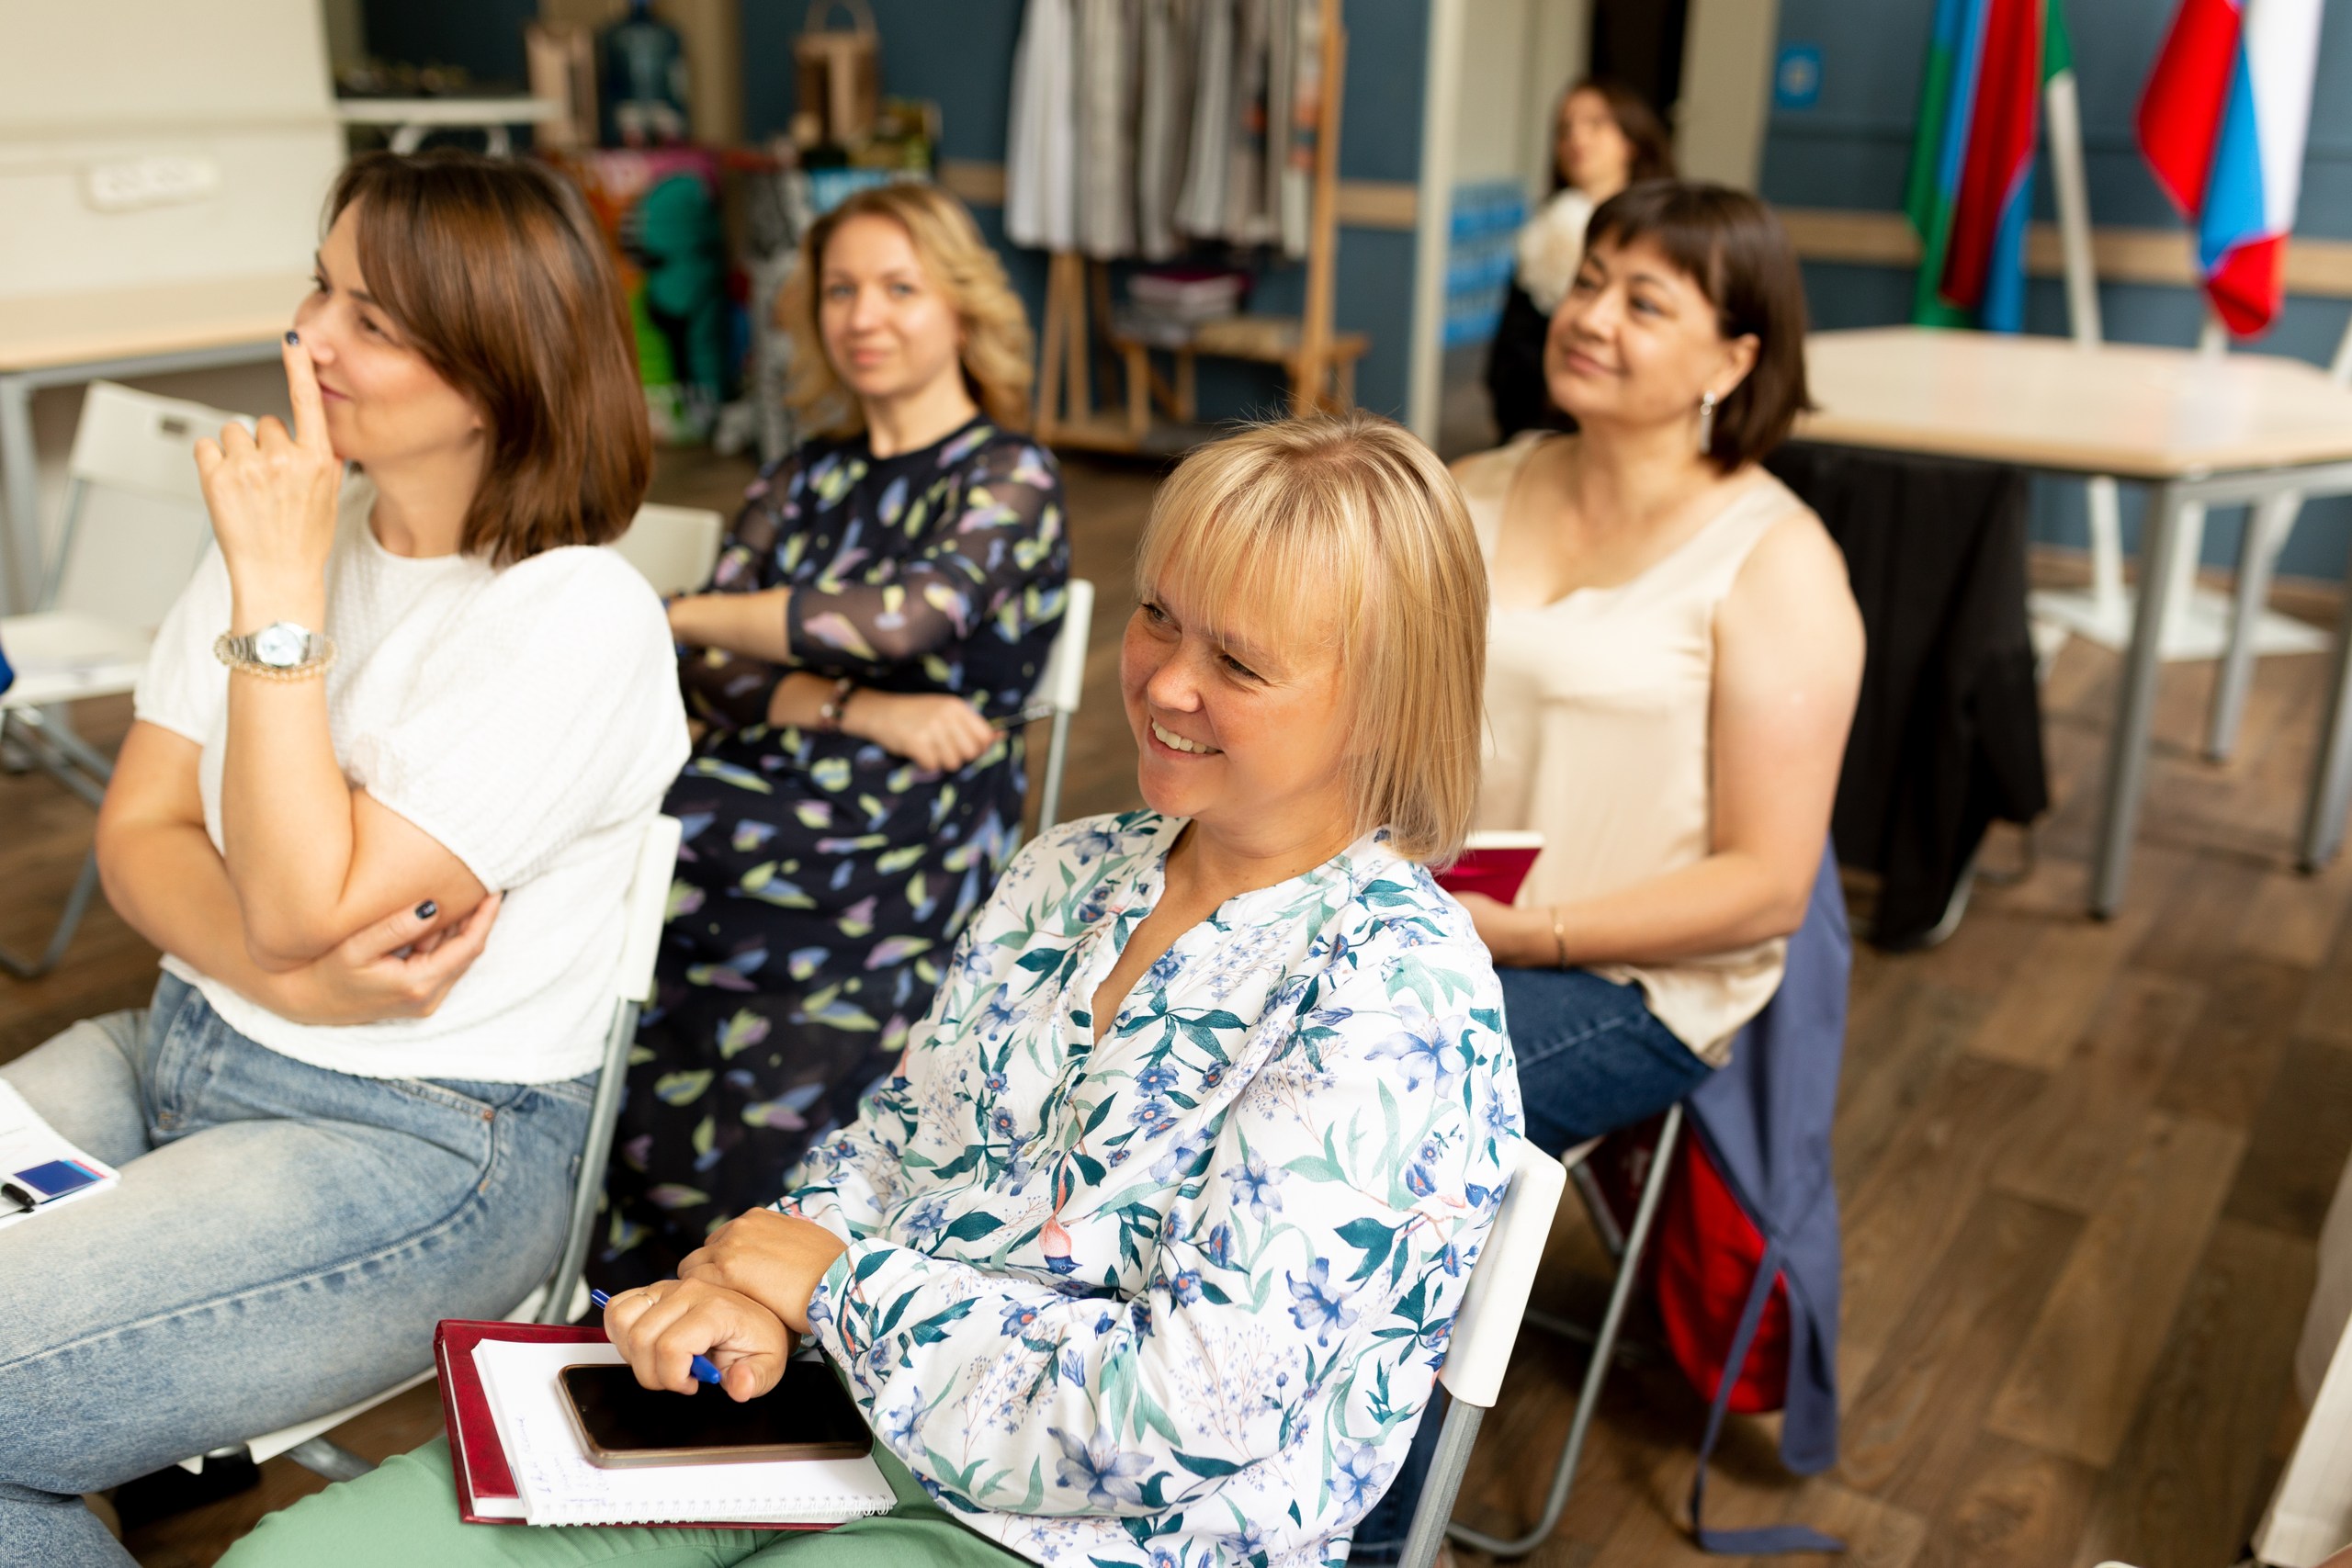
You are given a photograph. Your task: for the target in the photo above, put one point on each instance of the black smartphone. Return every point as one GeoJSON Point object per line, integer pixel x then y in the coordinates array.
{"type": "Point", "coordinates": [806, 1416]}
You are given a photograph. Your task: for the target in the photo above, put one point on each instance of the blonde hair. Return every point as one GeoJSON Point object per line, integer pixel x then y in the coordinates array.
{"type": "Point", "coordinates": [959, 263]}
{"type": "Point", "coordinates": [1349, 521]}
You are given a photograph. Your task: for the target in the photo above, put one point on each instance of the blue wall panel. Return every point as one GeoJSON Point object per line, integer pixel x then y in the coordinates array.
{"type": "Point", "coordinates": [1851, 148]}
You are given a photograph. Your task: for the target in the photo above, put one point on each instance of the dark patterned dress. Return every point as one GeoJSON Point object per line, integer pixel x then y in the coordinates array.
{"type": "Point", "coordinates": [823, 880]}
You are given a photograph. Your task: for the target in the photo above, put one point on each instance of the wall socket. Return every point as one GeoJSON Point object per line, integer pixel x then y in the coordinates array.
{"type": "Point", "coordinates": [128, 184]}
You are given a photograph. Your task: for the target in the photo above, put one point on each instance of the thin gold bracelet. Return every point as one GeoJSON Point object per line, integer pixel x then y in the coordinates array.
{"type": "Point", "coordinates": [1559, 940]}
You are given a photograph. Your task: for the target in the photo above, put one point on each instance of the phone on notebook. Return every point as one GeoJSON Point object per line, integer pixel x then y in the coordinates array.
{"type": "Point", "coordinates": [807, 1415]}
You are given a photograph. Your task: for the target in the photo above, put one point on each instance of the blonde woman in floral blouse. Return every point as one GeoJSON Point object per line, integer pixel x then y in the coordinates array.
{"type": "Point", "coordinates": [1149, 1251]}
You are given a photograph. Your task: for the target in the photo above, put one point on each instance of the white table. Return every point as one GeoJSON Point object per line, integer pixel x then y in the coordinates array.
{"type": "Point", "coordinates": [412, 118]}
{"type": "Point", "coordinates": [64, 340]}
{"type": "Point", "coordinates": [2220, 432]}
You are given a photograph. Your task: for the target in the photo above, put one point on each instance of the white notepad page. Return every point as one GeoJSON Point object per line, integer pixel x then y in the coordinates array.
{"type": "Point", "coordinates": [27, 1141]}
{"type": "Point", "coordinates": [559, 1486]}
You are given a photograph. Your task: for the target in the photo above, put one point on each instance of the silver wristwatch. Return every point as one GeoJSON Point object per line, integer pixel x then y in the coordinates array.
{"type": "Point", "coordinates": [281, 651]}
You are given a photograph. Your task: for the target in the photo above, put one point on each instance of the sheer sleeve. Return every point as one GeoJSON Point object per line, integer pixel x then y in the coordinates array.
{"type": "Point", "coordinates": [1002, 535]}
{"type": "Point", "coordinates": [731, 690]}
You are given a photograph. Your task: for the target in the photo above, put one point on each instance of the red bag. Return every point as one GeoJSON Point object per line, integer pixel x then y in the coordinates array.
{"type": "Point", "coordinates": [1702, 1258]}
{"type": "Point", "coordinates": [1701, 1262]}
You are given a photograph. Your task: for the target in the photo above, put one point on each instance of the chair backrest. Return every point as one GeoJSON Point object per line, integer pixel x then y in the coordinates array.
{"type": "Point", "coordinates": [136, 441]}
{"type": "Point", "coordinates": [1488, 1323]}
{"type": "Point", "coordinates": [673, 547]}
{"type": "Point", "coordinates": [649, 907]}
{"type": "Point", "coordinates": [1065, 676]}
{"type": "Point", "coordinates": [133, 443]}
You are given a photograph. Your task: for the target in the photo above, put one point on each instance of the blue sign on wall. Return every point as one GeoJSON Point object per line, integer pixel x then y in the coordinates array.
{"type": "Point", "coordinates": [1796, 80]}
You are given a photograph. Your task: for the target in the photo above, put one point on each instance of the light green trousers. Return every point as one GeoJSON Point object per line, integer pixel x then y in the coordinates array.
{"type": "Point", "coordinates": [404, 1514]}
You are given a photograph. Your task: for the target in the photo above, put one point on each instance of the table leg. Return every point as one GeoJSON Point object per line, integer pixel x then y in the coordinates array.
{"type": "Point", "coordinates": [2257, 557]}
{"type": "Point", "coordinates": [2127, 756]}
{"type": "Point", "coordinates": [20, 529]}
{"type": "Point", "coordinates": [2332, 768]}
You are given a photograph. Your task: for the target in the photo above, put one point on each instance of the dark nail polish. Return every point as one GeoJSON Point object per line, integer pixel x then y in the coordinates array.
{"type": "Point", "coordinates": [427, 909]}
{"type": "Point", "coordinates": [294, 337]}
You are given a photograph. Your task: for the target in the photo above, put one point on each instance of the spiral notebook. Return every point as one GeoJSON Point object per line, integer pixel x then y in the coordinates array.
{"type": "Point", "coordinates": [555, 1484]}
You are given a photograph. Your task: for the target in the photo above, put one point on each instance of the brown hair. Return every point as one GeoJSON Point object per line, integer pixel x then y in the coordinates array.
{"type": "Point", "coordinates": [495, 272]}
{"type": "Point", "coordinates": [1350, 520]}
{"type": "Point", "coordinates": [1637, 122]}
{"type": "Point", "coordinates": [1731, 246]}
{"type": "Point", "coordinates": [959, 263]}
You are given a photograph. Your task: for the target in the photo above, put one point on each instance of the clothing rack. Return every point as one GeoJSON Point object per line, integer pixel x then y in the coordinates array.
{"type": "Point", "coordinates": [1318, 361]}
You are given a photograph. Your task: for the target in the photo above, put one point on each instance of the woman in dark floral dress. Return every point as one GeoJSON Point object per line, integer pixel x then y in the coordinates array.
{"type": "Point", "coordinates": [887, 599]}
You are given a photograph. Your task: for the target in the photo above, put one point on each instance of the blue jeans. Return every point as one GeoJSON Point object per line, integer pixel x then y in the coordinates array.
{"type": "Point", "coordinates": [1592, 1058]}
{"type": "Point", "coordinates": [283, 1241]}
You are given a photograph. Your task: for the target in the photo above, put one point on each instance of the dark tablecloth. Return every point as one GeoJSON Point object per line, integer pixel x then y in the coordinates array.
{"type": "Point", "coordinates": [1947, 733]}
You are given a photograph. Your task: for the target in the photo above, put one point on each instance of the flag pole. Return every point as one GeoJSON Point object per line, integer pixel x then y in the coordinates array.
{"type": "Point", "coordinates": [2065, 108]}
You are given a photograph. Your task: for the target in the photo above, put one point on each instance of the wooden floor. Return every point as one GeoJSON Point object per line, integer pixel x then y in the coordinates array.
{"type": "Point", "coordinates": [2083, 1166]}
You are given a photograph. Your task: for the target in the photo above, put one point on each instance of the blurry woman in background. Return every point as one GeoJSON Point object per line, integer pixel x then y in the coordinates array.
{"type": "Point", "coordinates": [877, 618]}
{"type": "Point", "coordinates": [1605, 137]}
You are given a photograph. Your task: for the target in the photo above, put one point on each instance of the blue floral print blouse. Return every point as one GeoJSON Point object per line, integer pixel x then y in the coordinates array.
{"type": "Point", "coordinates": [1178, 1297]}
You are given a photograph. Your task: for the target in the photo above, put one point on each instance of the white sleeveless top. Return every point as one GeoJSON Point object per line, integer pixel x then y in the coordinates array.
{"type": "Point", "coordinates": [1598, 707]}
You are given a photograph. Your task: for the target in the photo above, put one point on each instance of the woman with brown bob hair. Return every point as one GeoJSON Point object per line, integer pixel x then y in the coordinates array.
{"type": "Point", "coordinates": [1672, 664]}
{"type": "Point", "coordinates": [879, 618]}
{"type": "Point", "coordinates": [1672, 659]}
{"type": "Point", "coordinates": [395, 753]}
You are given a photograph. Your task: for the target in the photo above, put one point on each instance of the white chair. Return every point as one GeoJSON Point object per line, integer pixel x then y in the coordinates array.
{"type": "Point", "coordinates": [1063, 685]}
{"type": "Point", "coordinates": [563, 1296]}
{"type": "Point", "coordinates": [143, 445]}
{"type": "Point", "coordinates": [1626, 1247]}
{"type": "Point", "coordinates": [1483, 1331]}
{"type": "Point", "coordinates": [673, 547]}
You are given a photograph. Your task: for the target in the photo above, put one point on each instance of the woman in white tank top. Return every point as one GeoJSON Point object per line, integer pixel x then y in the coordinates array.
{"type": "Point", "coordinates": [1672, 664]}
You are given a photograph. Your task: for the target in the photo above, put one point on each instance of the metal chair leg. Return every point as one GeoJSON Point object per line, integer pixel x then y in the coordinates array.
{"type": "Point", "coordinates": [1620, 1295]}
{"type": "Point", "coordinates": [331, 1460]}
{"type": "Point", "coordinates": [1447, 1466]}
{"type": "Point", "coordinates": [77, 903]}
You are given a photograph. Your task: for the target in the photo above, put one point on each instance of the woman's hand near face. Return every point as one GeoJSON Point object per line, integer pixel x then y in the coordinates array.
{"type": "Point", "coordinates": [775, 1260]}
{"type": "Point", "coordinates": [932, 731]}
{"type": "Point", "coordinates": [272, 497]}
{"type": "Point", "coordinates": [660, 1328]}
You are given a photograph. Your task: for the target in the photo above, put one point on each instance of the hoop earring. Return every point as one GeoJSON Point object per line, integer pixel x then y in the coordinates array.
{"type": "Point", "coordinates": [1707, 402]}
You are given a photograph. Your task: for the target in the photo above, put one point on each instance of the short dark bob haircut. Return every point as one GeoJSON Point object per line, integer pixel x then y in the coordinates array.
{"type": "Point", "coordinates": [493, 270]}
{"type": "Point", "coordinates": [1731, 246]}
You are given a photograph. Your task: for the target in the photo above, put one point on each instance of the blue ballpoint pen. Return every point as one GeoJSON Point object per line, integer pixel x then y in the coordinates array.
{"type": "Point", "coordinates": [703, 1371]}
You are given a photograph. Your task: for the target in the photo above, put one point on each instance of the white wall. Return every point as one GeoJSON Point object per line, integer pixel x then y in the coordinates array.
{"type": "Point", "coordinates": [1727, 51]}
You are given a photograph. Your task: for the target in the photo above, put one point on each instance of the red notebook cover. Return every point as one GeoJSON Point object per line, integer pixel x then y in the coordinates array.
{"type": "Point", "coordinates": [486, 1492]}
{"type": "Point", "coordinates": [1494, 864]}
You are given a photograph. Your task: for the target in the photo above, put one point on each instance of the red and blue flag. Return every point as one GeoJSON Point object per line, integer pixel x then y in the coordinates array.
{"type": "Point", "coordinates": [2221, 124]}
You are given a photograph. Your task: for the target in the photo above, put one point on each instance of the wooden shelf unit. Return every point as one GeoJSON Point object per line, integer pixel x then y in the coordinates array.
{"type": "Point", "coordinates": [1317, 361]}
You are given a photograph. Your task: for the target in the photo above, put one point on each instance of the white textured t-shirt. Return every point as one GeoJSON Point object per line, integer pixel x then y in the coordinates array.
{"type": "Point", "coordinates": [527, 718]}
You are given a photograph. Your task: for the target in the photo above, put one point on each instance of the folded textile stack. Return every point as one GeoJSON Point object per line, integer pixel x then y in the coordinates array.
{"type": "Point", "coordinates": [1168, 303]}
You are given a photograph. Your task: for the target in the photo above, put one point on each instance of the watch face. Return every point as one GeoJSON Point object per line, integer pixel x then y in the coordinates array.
{"type": "Point", "coordinates": [281, 645]}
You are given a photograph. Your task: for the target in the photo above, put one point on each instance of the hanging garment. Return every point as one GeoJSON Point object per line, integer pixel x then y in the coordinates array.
{"type": "Point", "coordinates": [1107, 39]}
{"type": "Point", "coordinates": [1164, 122]}
{"type": "Point", "coordinates": [1247, 220]}
{"type": "Point", "coordinates": [1763, 1120]}
{"type": "Point", "coordinates": [1200, 209]}
{"type": "Point", "coordinates": [1041, 139]}
{"type": "Point", "coordinates": [1295, 205]}
{"type": "Point", "coordinates": [1282, 82]}
{"type": "Point", "coordinates": [1947, 733]}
